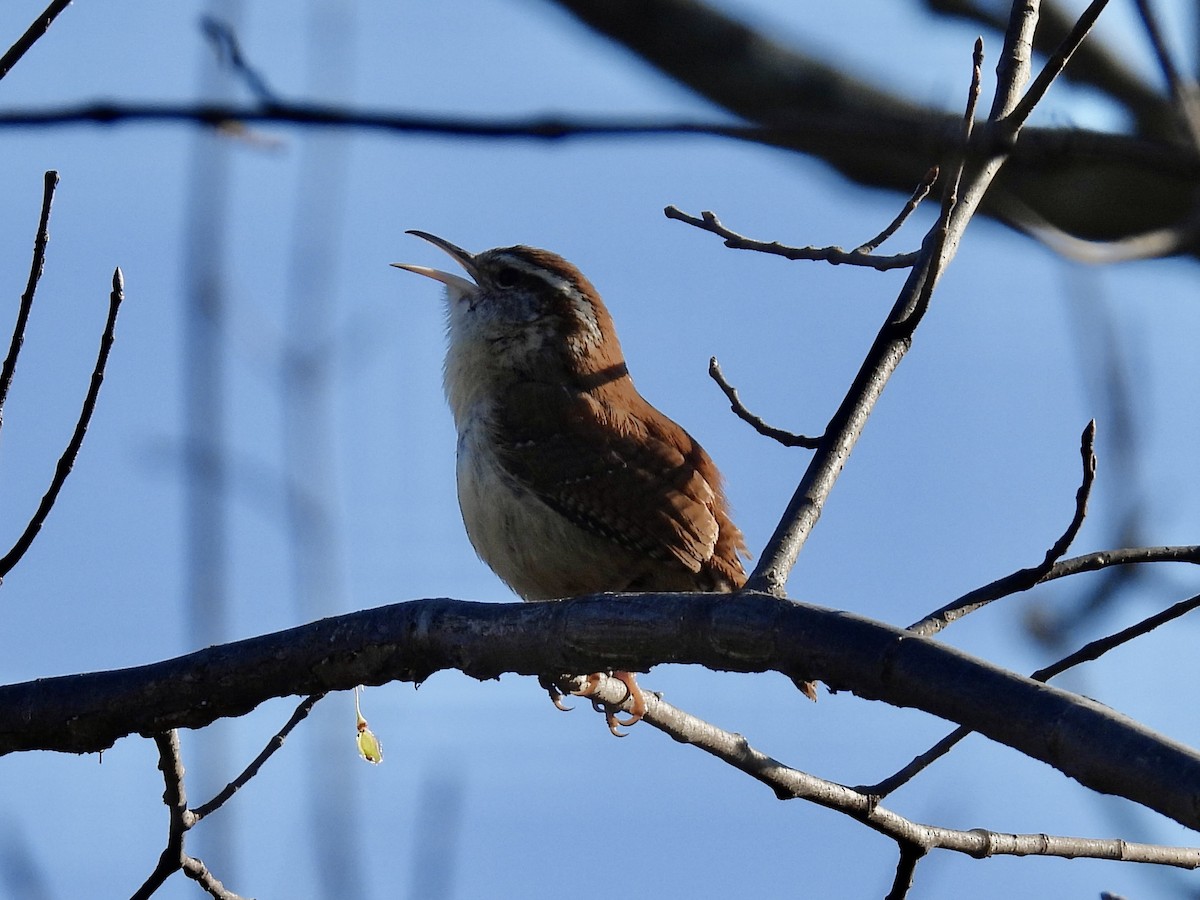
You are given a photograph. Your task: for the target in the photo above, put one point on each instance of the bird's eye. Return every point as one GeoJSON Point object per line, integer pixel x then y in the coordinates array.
{"type": "Point", "coordinates": [507, 277]}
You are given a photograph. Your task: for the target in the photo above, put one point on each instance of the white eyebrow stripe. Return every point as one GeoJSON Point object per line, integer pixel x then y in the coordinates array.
{"type": "Point", "coordinates": [581, 305]}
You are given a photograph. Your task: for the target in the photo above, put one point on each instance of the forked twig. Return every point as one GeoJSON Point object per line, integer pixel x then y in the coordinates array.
{"type": "Point", "coordinates": [170, 762]}
{"type": "Point", "coordinates": [174, 858]}
{"type": "Point", "coordinates": [67, 460]}
{"type": "Point", "coordinates": [709, 222]}
{"type": "Point", "coordinates": [888, 349]}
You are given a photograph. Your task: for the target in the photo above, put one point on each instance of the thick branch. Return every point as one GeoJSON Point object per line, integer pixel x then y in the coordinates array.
{"type": "Point", "coordinates": [750, 633]}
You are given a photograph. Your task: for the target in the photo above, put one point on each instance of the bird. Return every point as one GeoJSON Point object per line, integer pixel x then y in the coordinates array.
{"type": "Point", "coordinates": [569, 481]}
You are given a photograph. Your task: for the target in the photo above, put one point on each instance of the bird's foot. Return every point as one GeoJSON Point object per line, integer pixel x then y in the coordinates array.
{"type": "Point", "coordinates": [633, 693]}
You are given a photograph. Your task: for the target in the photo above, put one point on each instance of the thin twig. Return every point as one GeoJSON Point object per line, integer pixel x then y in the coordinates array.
{"type": "Point", "coordinates": [835, 255]}
{"type": "Point", "coordinates": [1087, 653]}
{"type": "Point", "coordinates": [1103, 559]}
{"type": "Point", "coordinates": [910, 207]}
{"type": "Point", "coordinates": [1097, 648]}
{"type": "Point", "coordinates": [39, 27]}
{"type": "Point", "coordinates": [1054, 66]}
{"type": "Point", "coordinates": [36, 266]}
{"type": "Point", "coordinates": [936, 256]}
{"type": "Point", "coordinates": [251, 770]}
{"type": "Point", "coordinates": [787, 438]}
{"type": "Point", "coordinates": [1014, 62]}
{"type": "Point", "coordinates": [67, 460]}
{"type": "Point", "coordinates": [1023, 579]}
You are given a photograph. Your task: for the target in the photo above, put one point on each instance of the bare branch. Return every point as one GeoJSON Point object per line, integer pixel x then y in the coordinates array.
{"type": "Point", "coordinates": [1013, 64]}
{"type": "Point", "coordinates": [67, 460]}
{"type": "Point", "coordinates": [1097, 648]}
{"type": "Point", "coordinates": [1093, 64]}
{"type": "Point", "coordinates": [39, 27]}
{"type": "Point", "coordinates": [835, 255]}
{"type": "Point", "coordinates": [170, 763]}
{"type": "Point", "coordinates": [251, 770]}
{"type": "Point", "coordinates": [1054, 66]}
{"type": "Point", "coordinates": [1103, 559]}
{"type": "Point", "coordinates": [1089, 652]}
{"type": "Point", "coordinates": [886, 352]}
{"type": "Point", "coordinates": [921, 192]}
{"type": "Point", "coordinates": [906, 869]}
{"type": "Point", "coordinates": [633, 632]}
{"type": "Point", "coordinates": [50, 182]}
{"type": "Point", "coordinates": [195, 869]}
{"type": "Point", "coordinates": [787, 438]}
{"type": "Point", "coordinates": [788, 783]}
{"type": "Point", "coordinates": [1023, 579]}
{"type": "Point", "coordinates": [174, 858]}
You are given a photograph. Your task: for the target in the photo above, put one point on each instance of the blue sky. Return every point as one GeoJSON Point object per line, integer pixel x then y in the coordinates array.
{"type": "Point", "coordinates": [967, 471]}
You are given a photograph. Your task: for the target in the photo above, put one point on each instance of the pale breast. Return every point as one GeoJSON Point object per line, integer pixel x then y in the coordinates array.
{"type": "Point", "coordinates": [535, 550]}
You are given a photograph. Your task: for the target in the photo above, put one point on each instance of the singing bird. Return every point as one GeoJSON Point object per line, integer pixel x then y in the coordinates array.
{"type": "Point", "coordinates": [569, 481]}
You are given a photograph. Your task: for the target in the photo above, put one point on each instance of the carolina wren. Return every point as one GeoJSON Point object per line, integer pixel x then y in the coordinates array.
{"type": "Point", "coordinates": [570, 482]}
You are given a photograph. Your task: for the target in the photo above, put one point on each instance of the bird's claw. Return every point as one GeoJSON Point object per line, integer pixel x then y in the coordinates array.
{"type": "Point", "coordinates": [632, 692]}
{"type": "Point", "coordinates": [555, 693]}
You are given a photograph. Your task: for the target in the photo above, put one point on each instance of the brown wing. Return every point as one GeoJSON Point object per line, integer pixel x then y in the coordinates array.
{"type": "Point", "coordinates": [630, 475]}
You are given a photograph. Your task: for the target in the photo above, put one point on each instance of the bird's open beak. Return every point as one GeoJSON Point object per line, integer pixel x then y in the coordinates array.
{"type": "Point", "coordinates": [461, 256]}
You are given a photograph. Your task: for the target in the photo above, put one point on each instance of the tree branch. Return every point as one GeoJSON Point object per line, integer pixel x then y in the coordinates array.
{"type": "Point", "coordinates": [914, 838]}
{"type": "Point", "coordinates": [300, 714]}
{"type": "Point", "coordinates": [1089, 652]}
{"type": "Point", "coordinates": [42, 238]}
{"type": "Point", "coordinates": [787, 438]}
{"type": "Point", "coordinates": [38, 28]}
{"type": "Point", "coordinates": [708, 221]}
{"type": "Point", "coordinates": [67, 460]}
{"type": "Point", "coordinates": [752, 633]}
{"type": "Point", "coordinates": [1023, 579]}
